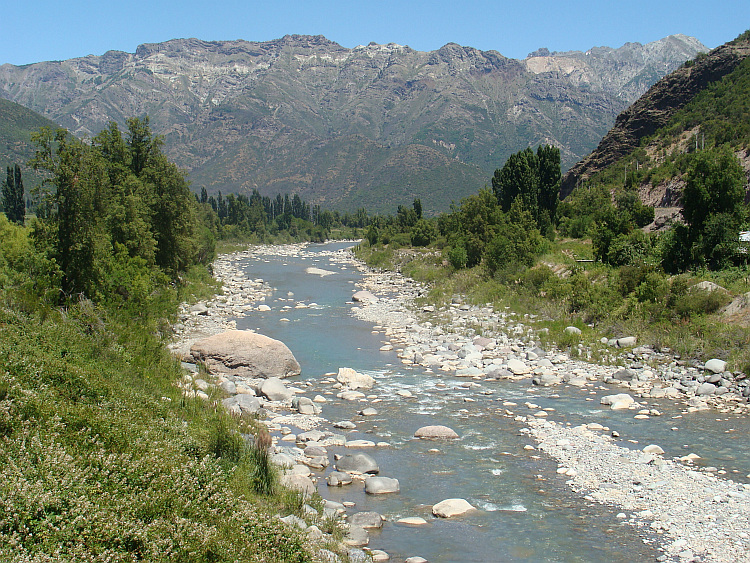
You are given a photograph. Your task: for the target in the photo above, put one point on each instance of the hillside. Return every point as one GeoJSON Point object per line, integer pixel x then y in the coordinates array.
{"type": "Point", "coordinates": [667, 118]}
{"type": "Point", "coordinates": [17, 123]}
{"type": "Point", "coordinates": [376, 125]}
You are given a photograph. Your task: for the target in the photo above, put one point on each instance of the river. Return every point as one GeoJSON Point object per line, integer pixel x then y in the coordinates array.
{"type": "Point", "coordinates": [526, 511]}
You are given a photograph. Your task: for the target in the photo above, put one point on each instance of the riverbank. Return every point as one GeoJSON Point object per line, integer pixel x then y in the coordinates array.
{"type": "Point", "coordinates": [445, 342]}
{"type": "Point", "coordinates": [694, 515]}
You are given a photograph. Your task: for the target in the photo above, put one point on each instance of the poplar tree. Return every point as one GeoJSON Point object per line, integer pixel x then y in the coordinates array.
{"type": "Point", "coordinates": [14, 203]}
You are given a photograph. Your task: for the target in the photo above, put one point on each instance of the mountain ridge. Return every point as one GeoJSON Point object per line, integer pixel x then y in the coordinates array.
{"type": "Point", "coordinates": [654, 109]}
{"type": "Point", "coordinates": [242, 115]}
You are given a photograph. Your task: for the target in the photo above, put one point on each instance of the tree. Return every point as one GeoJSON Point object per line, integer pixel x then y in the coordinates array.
{"type": "Point", "coordinates": [77, 237]}
{"type": "Point", "coordinates": [14, 203]}
{"type": "Point", "coordinates": [534, 179]}
{"type": "Point", "coordinates": [417, 205]}
{"type": "Point", "coordinates": [715, 184]}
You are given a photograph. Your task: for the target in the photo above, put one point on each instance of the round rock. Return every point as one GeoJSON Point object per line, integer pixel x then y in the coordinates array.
{"type": "Point", "coordinates": [451, 507]}
{"type": "Point", "coordinates": [247, 354]}
{"type": "Point", "coordinates": [436, 432]}
{"type": "Point", "coordinates": [366, 520]}
{"type": "Point", "coordinates": [357, 463]}
{"type": "Point", "coordinates": [381, 485]}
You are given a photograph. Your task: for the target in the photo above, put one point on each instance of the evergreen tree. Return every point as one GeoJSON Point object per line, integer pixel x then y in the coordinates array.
{"type": "Point", "coordinates": [534, 179]}
{"type": "Point", "coordinates": [14, 203]}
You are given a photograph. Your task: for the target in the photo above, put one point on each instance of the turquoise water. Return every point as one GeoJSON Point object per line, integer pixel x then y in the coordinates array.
{"type": "Point", "coordinates": [526, 511]}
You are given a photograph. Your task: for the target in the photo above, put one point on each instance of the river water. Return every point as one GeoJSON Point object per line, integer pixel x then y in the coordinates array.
{"type": "Point", "coordinates": [526, 511]}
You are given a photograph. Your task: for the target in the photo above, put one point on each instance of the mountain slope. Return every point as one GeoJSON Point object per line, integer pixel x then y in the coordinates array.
{"type": "Point", "coordinates": [17, 123]}
{"type": "Point", "coordinates": [655, 109]}
{"type": "Point", "coordinates": [379, 123]}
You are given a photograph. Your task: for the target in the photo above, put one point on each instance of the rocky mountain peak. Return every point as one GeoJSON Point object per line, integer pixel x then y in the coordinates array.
{"type": "Point", "coordinates": [340, 126]}
{"type": "Point", "coordinates": [654, 109]}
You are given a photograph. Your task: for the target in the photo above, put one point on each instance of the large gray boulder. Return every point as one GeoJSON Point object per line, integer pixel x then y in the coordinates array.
{"type": "Point", "coordinates": [241, 404]}
{"type": "Point", "coordinates": [275, 390]}
{"type": "Point", "coordinates": [716, 365]}
{"type": "Point", "coordinates": [364, 296]}
{"type": "Point", "coordinates": [357, 463]}
{"type": "Point", "coordinates": [300, 483]}
{"type": "Point", "coordinates": [354, 380]}
{"type": "Point", "coordinates": [381, 485]}
{"type": "Point", "coordinates": [366, 520]}
{"type": "Point", "coordinates": [247, 354]}
{"type": "Point", "coordinates": [451, 507]}
{"type": "Point", "coordinates": [436, 432]}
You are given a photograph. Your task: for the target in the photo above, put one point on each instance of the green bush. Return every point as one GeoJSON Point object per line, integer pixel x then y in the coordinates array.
{"type": "Point", "coordinates": [457, 255]}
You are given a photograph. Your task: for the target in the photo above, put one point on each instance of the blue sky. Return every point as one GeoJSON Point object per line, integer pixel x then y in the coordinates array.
{"type": "Point", "coordinates": [54, 30]}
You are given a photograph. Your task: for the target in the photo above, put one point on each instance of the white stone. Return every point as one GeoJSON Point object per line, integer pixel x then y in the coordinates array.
{"type": "Point", "coordinates": [451, 507]}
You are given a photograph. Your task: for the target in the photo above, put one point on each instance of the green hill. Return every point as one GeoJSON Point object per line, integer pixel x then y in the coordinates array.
{"type": "Point", "coordinates": [703, 105]}
{"type": "Point", "coordinates": [17, 123]}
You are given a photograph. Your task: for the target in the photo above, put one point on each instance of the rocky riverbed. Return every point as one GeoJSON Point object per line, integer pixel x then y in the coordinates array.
{"type": "Point", "coordinates": [694, 515]}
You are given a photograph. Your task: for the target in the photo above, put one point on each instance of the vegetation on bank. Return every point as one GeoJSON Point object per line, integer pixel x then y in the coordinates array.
{"type": "Point", "coordinates": [591, 264]}
{"type": "Point", "coordinates": [102, 456]}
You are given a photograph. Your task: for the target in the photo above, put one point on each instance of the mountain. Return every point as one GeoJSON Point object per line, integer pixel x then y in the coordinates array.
{"type": "Point", "coordinates": [660, 106]}
{"type": "Point", "coordinates": [17, 123]}
{"type": "Point", "coordinates": [372, 126]}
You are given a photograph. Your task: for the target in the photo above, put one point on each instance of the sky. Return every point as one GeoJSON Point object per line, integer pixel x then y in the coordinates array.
{"type": "Point", "coordinates": [43, 30]}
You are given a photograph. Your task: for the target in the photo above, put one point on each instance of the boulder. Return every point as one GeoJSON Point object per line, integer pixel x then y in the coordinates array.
{"type": "Point", "coordinates": [381, 485]}
{"type": "Point", "coordinates": [452, 507]}
{"type": "Point", "coordinates": [247, 354]}
{"type": "Point", "coordinates": [707, 286]}
{"type": "Point", "coordinates": [364, 297]}
{"type": "Point", "coordinates": [716, 366]}
{"type": "Point", "coordinates": [241, 404]}
{"type": "Point", "coordinates": [366, 520]}
{"type": "Point", "coordinates": [626, 342]}
{"type": "Point", "coordinates": [624, 375]}
{"type": "Point", "coordinates": [305, 405]}
{"type": "Point", "coordinates": [298, 482]}
{"type": "Point", "coordinates": [412, 521]}
{"type": "Point", "coordinates": [357, 463]}
{"type": "Point", "coordinates": [275, 390]}
{"type": "Point", "coordinates": [436, 432]}
{"type": "Point", "coordinates": [357, 536]}
{"type": "Point", "coordinates": [518, 367]}
{"type": "Point", "coordinates": [354, 380]}
{"type": "Point", "coordinates": [619, 401]}
{"type": "Point", "coordinates": [572, 330]}
{"type": "Point", "coordinates": [705, 389]}
{"type": "Point", "coordinates": [338, 479]}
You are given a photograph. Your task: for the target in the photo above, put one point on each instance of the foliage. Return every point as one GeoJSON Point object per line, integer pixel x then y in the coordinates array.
{"type": "Point", "coordinates": [103, 457]}
{"type": "Point", "coordinates": [535, 179]}
{"type": "Point", "coordinates": [14, 203]}
{"type": "Point", "coordinates": [715, 184]}
{"type": "Point", "coordinates": [113, 201]}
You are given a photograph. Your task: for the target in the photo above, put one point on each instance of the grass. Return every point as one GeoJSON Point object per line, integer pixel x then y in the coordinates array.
{"type": "Point", "coordinates": [103, 459]}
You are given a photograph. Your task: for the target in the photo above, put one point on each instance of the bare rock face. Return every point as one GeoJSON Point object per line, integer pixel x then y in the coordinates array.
{"type": "Point", "coordinates": [246, 354]}
{"type": "Point", "coordinates": [654, 109]}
